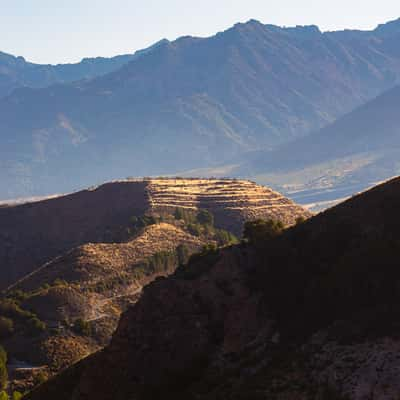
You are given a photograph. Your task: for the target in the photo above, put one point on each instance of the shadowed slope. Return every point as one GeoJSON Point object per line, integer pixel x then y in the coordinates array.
{"type": "Point", "coordinates": [34, 233]}
{"type": "Point", "coordinates": [310, 314]}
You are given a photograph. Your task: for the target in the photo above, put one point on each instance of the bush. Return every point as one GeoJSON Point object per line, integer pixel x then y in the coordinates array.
{"type": "Point", "coordinates": [82, 327]}
{"type": "Point", "coordinates": [4, 395]}
{"type": "Point", "coordinates": [6, 327]}
{"type": "Point", "coordinates": [195, 229]}
{"type": "Point", "coordinates": [18, 295]}
{"type": "Point", "coordinates": [178, 214]}
{"type": "Point", "coordinates": [182, 252]}
{"type": "Point", "coordinates": [259, 230]}
{"type": "Point", "coordinates": [36, 326]}
{"type": "Point", "coordinates": [10, 308]}
{"type": "Point", "coordinates": [60, 282]}
{"type": "Point", "coordinates": [3, 369]}
{"type": "Point", "coordinates": [3, 356]}
{"type": "Point", "coordinates": [16, 396]}
{"type": "Point", "coordinates": [199, 263]}
{"type": "Point", "coordinates": [224, 238]}
{"type": "Point", "coordinates": [41, 378]}
{"type": "Point", "coordinates": [300, 220]}
{"type": "Point", "coordinates": [204, 217]}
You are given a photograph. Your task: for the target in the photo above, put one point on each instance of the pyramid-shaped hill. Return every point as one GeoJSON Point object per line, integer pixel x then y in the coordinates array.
{"type": "Point", "coordinates": [32, 234]}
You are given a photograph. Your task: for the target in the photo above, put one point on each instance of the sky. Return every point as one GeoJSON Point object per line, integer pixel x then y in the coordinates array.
{"type": "Point", "coordinates": [61, 31]}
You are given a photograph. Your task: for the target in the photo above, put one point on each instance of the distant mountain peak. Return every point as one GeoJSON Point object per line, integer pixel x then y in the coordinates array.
{"type": "Point", "coordinates": [389, 28]}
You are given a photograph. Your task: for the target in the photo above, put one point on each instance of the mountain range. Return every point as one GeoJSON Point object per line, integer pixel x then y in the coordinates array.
{"type": "Point", "coordinates": [16, 72]}
{"type": "Point", "coordinates": [352, 154]}
{"type": "Point", "coordinates": [191, 103]}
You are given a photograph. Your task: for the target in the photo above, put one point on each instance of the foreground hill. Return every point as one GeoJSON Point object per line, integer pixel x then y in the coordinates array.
{"type": "Point", "coordinates": [191, 103]}
{"type": "Point", "coordinates": [34, 233]}
{"type": "Point", "coordinates": [70, 307]}
{"type": "Point", "coordinates": [308, 314]}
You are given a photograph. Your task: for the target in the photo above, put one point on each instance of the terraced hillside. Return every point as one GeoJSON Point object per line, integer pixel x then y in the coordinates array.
{"type": "Point", "coordinates": [232, 202]}
{"type": "Point", "coordinates": [34, 233]}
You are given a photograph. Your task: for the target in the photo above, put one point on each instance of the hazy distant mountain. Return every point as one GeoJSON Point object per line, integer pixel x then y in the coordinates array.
{"type": "Point", "coordinates": [192, 103]}
{"type": "Point", "coordinates": [355, 152]}
{"type": "Point", "coordinates": [16, 72]}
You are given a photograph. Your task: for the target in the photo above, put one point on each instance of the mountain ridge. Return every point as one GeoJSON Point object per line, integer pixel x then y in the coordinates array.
{"type": "Point", "coordinates": [16, 72]}
{"type": "Point", "coordinates": [350, 155]}
{"type": "Point", "coordinates": [191, 103]}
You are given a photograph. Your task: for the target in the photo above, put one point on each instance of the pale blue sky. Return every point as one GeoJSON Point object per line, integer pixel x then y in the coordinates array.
{"type": "Point", "coordinates": [55, 31]}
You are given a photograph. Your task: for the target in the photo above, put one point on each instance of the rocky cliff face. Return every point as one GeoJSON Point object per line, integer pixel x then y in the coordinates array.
{"type": "Point", "coordinates": [310, 314]}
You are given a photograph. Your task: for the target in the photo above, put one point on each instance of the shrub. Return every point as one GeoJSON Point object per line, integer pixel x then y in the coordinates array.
{"type": "Point", "coordinates": [10, 308]}
{"type": "Point", "coordinates": [182, 252]}
{"type": "Point", "coordinates": [60, 282]}
{"type": "Point", "coordinates": [18, 295]}
{"type": "Point", "coordinates": [194, 229]}
{"type": "Point", "coordinates": [82, 327]}
{"type": "Point", "coordinates": [16, 396]}
{"type": "Point", "coordinates": [259, 230]}
{"type": "Point", "coordinates": [178, 214]}
{"type": "Point", "coordinates": [300, 220]}
{"type": "Point", "coordinates": [41, 378]}
{"type": "Point", "coordinates": [3, 356]}
{"type": "Point", "coordinates": [36, 326]}
{"type": "Point", "coordinates": [3, 395]}
{"type": "Point", "coordinates": [204, 217]}
{"type": "Point", "coordinates": [199, 263]}
{"type": "Point", "coordinates": [6, 327]}
{"type": "Point", "coordinates": [3, 369]}
{"type": "Point", "coordinates": [224, 238]}
{"type": "Point", "coordinates": [141, 222]}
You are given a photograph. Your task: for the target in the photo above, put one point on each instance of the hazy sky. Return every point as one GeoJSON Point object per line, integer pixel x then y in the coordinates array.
{"type": "Point", "coordinates": [55, 31]}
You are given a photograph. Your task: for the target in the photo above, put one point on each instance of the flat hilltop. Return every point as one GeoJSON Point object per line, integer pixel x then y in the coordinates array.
{"type": "Point", "coordinates": [32, 234]}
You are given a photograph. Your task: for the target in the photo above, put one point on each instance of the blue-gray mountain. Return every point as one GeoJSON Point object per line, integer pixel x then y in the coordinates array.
{"type": "Point", "coordinates": [350, 155]}
{"type": "Point", "coordinates": [192, 103]}
{"type": "Point", "coordinates": [16, 72]}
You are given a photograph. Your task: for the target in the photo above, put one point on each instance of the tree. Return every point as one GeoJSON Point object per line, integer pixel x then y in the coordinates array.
{"type": "Point", "coordinates": [6, 327]}
{"type": "Point", "coordinates": [182, 252]}
{"type": "Point", "coordinates": [178, 214]}
{"type": "Point", "coordinates": [16, 396]}
{"type": "Point", "coordinates": [300, 220]}
{"type": "Point", "coordinates": [3, 356]}
{"type": "Point", "coordinates": [4, 395]}
{"type": "Point", "coordinates": [204, 217]}
{"type": "Point", "coordinates": [36, 326]}
{"type": "Point", "coordinates": [259, 230]}
{"type": "Point", "coordinates": [3, 369]}
{"type": "Point", "coordinates": [82, 327]}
